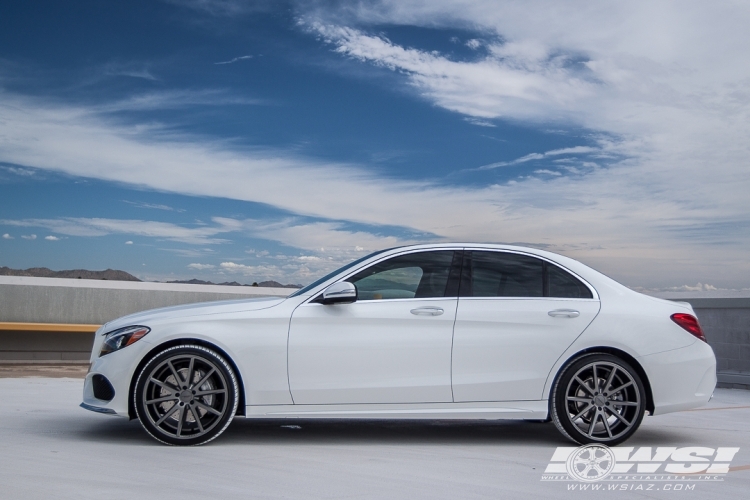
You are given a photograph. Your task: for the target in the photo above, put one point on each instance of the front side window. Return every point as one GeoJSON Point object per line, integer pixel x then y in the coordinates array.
{"type": "Point", "coordinates": [501, 274]}
{"type": "Point", "coordinates": [411, 276]}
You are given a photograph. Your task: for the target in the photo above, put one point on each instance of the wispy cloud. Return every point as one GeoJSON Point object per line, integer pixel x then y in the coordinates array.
{"type": "Point", "coordinates": [7, 236]}
{"type": "Point", "coordinates": [51, 238]}
{"type": "Point", "coordinates": [174, 99]}
{"type": "Point", "coordinates": [230, 61]}
{"type": "Point", "coordinates": [540, 156]}
{"type": "Point", "coordinates": [129, 69]}
{"type": "Point", "coordinates": [154, 206]}
{"type": "Point", "coordinates": [480, 123]}
{"type": "Point", "coordinates": [19, 171]}
{"type": "Point", "coordinates": [28, 236]}
{"type": "Point", "coordinates": [79, 226]}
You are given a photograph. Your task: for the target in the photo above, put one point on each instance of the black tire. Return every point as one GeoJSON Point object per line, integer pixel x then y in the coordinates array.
{"type": "Point", "coordinates": [186, 395]}
{"type": "Point", "coordinates": [598, 398]}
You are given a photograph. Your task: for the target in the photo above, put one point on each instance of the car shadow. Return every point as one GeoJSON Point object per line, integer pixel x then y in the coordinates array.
{"type": "Point", "coordinates": [115, 430]}
{"type": "Point", "coordinates": [407, 432]}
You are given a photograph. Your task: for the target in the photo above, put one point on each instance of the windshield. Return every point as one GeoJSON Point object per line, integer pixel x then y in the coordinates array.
{"type": "Point", "coordinates": [303, 291]}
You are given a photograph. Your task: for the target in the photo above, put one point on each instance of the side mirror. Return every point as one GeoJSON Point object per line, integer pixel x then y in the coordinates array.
{"type": "Point", "coordinates": [342, 292]}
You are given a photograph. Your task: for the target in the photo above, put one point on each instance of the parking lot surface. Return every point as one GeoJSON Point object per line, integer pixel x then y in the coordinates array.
{"type": "Point", "coordinates": [52, 449]}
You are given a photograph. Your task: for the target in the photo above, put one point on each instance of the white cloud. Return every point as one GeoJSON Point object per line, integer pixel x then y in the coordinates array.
{"type": "Point", "coordinates": [201, 267]}
{"type": "Point", "coordinates": [7, 236]}
{"type": "Point", "coordinates": [493, 87]}
{"type": "Point", "coordinates": [473, 43]}
{"type": "Point", "coordinates": [28, 236]}
{"type": "Point", "coordinates": [314, 235]}
{"type": "Point", "coordinates": [290, 269]}
{"type": "Point", "coordinates": [128, 242]}
{"type": "Point", "coordinates": [51, 238]}
{"type": "Point", "coordinates": [544, 171]}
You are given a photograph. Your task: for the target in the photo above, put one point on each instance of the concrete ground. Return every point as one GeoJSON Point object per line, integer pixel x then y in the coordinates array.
{"type": "Point", "coordinates": [52, 449]}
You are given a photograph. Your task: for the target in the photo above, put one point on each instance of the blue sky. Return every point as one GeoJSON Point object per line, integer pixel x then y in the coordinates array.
{"type": "Point", "coordinates": [229, 140]}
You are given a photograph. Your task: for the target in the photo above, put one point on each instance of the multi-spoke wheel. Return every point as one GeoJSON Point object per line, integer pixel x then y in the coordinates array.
{"type": "Point", "coordinates": [599, 398]}
{"type": "Point", "coordinates": [186, 395]}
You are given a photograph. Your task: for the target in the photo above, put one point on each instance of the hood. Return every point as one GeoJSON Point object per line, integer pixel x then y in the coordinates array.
{"type": "Point", "coordinates": [187, 310]}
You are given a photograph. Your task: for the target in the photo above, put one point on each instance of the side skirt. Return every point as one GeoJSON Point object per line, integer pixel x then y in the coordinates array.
{"type": "Point", "coordinates": [533, 410]}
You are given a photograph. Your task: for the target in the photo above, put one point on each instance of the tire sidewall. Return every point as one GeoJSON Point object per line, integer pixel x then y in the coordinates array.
{"type": "Point", "coordinates": [558, 404]}
{"type": "Point", "coordinates": [195, 350]}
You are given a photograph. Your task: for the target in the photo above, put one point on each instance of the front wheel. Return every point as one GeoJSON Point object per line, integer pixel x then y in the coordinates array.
{"type": "Point", "coordinates": [186, 395]}
{"type": "Point", "coordinates": [598, 398]}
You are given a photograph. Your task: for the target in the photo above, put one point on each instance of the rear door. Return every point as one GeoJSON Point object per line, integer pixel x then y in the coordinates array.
{"type": "Point", "coordinates": [516, 315]}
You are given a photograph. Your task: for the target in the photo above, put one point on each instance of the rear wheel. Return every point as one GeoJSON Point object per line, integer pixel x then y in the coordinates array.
{"type": "Point", "coordinates": [186, 395]}
{"type": "Point", "coordinates": [598, 398]}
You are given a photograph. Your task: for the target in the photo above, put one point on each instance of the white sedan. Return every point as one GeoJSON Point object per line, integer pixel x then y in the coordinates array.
{"type": "Point", "coordinates": [449, 331]}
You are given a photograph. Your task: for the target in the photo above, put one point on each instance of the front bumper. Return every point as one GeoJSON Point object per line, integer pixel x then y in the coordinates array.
{"type": "Point", "coordinates": [118, 368]}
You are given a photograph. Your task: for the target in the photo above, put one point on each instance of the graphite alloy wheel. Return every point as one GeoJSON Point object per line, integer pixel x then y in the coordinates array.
{"type": "Point", "coordinates": [598, 398]}
{"type": "Point", "coordinates": [186, 395]}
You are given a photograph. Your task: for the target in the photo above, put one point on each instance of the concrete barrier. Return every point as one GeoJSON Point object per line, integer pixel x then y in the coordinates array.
{"type": "Point", "coordinates": [59, 302]}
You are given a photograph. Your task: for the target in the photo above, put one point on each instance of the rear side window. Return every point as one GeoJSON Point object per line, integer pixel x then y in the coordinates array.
{"type": "Point", "coordinates": [496, 274]}
{"type": "Point", "coordinates": [500, 274]}
{"type": "Point", "coordinates": [564, 285]}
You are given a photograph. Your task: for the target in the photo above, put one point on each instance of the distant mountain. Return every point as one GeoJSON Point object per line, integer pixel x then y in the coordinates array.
{"type": "Point", "coordinates": [43, 272]}
{"type": "Point", "coordinates": [265, 284]}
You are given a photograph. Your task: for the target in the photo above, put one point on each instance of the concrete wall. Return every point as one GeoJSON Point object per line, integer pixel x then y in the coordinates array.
{"type": "Point", "coordinates": [55, 300]}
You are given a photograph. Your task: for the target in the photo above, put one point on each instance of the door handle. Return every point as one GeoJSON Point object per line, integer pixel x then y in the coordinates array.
{"type": "Point", "coordinates": [428, 311]}
{"type": "Point", "coordinates": [564, 313]}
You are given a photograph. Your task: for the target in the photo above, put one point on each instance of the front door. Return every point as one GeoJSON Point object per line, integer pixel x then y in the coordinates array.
{"type": "Point", "coordinates": [393, 345]}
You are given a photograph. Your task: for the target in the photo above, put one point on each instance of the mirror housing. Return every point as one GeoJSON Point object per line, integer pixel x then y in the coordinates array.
{"type": "Point", "coordinates": [342, 292]}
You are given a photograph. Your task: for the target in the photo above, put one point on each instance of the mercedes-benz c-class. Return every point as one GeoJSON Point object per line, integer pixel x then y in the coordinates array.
{"type": "Point", "coordinates": [444, 331]}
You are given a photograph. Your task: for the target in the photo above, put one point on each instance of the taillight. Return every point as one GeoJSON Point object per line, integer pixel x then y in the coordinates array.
{"type": "Point", "coordinates": [689, 323]}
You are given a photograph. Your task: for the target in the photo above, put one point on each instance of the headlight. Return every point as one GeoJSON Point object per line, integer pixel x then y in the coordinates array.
{"type": "Point", "coordinates": [123, 337]}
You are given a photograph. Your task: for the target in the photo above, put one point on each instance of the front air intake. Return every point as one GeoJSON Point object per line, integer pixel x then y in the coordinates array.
{"type": "Point", "coordinates": [102, 388]}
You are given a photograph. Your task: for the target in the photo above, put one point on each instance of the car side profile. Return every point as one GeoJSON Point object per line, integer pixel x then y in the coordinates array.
{"type": "Point", "coordinates": [443, 331]}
